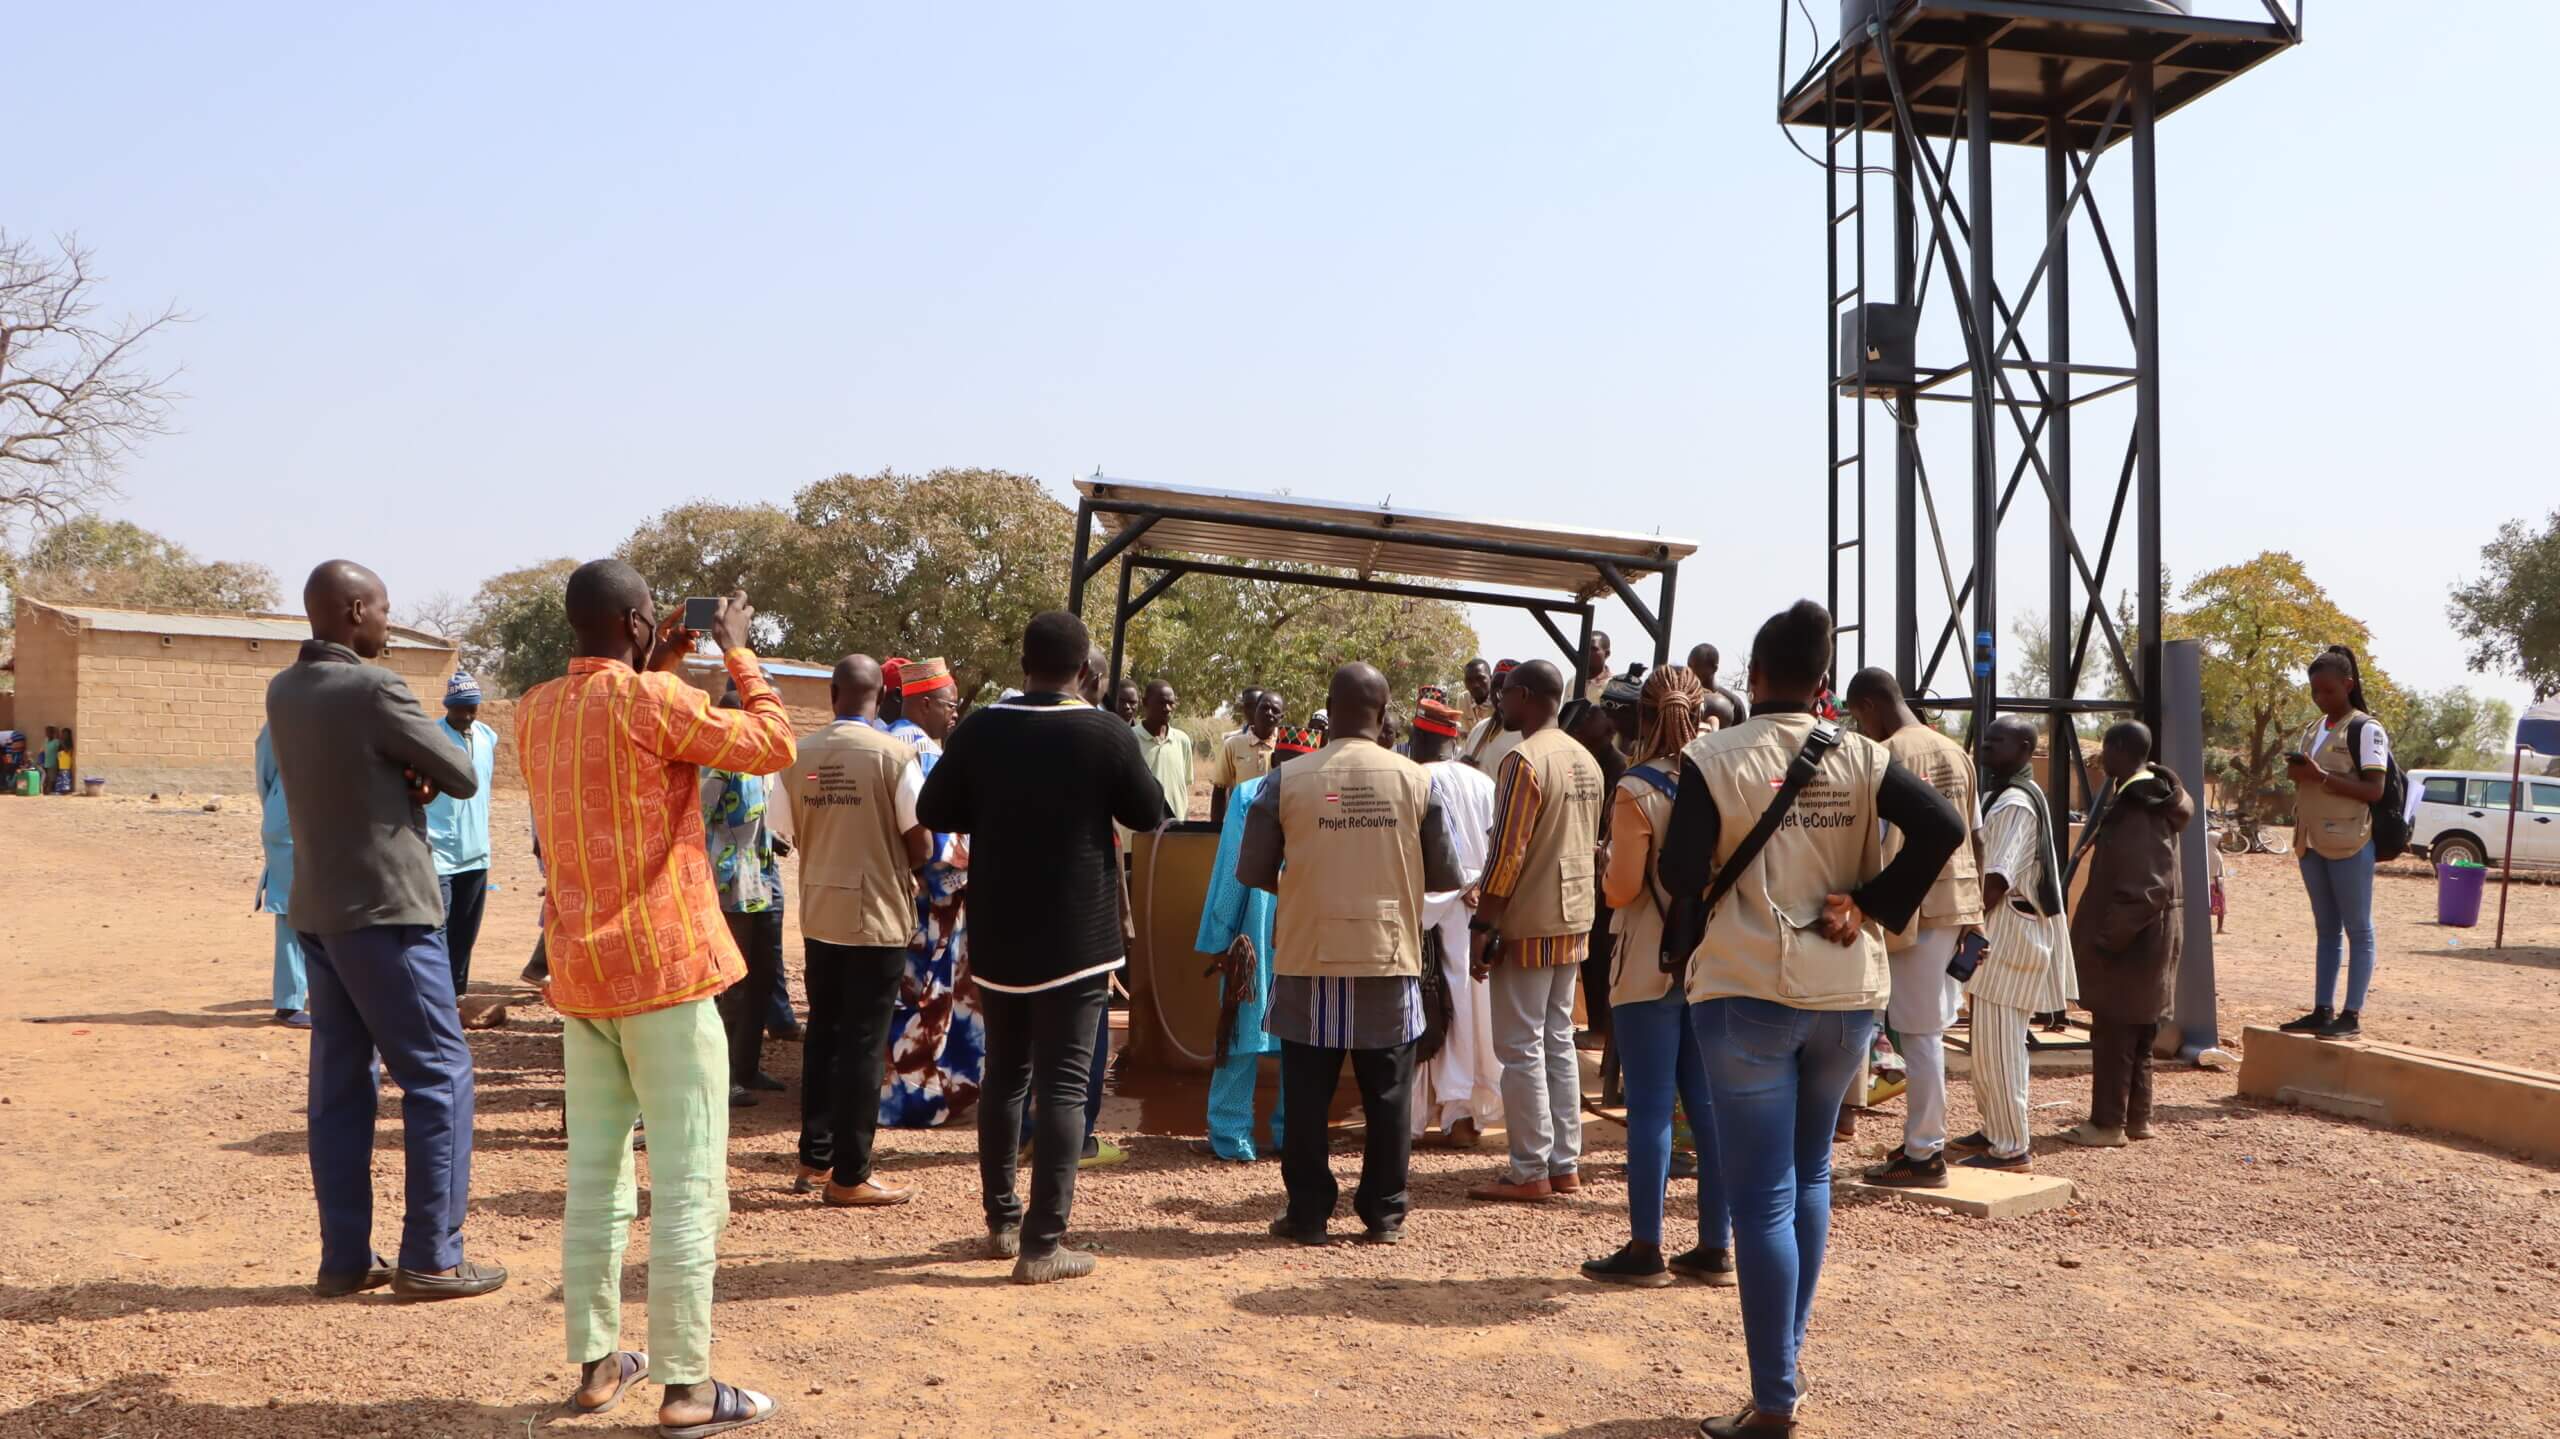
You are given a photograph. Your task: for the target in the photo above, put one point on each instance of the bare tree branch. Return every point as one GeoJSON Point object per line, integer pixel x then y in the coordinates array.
{"type": "Point", "coordinates": [75, 399]}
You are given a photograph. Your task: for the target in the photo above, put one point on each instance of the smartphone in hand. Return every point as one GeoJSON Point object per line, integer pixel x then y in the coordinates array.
{"type": "Point", "coordinates": [1970, 952]}
{"type": "Point", "coordinates": [699, 613]}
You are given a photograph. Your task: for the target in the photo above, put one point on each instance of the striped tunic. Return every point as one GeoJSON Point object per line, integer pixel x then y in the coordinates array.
{"type": "Point", "coordinates": [2030, 967]}
{"type": "Point", "coordinates": [612, 760]}
{"type": "Point", "coordinates": [1515, 822]}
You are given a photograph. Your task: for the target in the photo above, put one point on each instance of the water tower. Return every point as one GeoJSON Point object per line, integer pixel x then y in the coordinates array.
{"type": "Point", "coordinates": [1959, 366]}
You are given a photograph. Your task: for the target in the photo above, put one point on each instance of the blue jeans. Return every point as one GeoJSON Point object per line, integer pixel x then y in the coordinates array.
{"type": "Point", "coordinates": [2342, 898]}
{"type": "Point", "coordinates": [388, 988]}
{"type": "Point", "coordinates": [1658, 1056]}
{"type": "Point", "coordinates": [1777, 1075]}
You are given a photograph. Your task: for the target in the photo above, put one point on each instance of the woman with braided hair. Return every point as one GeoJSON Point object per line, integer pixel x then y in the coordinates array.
{"type": "Point", "coordinates": [2338, 769]}
{"type": "Point", "coordinates": [1657, 1046]}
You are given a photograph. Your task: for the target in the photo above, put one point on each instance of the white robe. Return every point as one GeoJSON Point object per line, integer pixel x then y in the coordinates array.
{"type": "Point", "coordinates": [1464, 1080]}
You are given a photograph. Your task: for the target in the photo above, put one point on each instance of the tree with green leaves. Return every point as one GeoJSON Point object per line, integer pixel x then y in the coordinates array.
{"type": "Point", "coordinates": [2511, 613]}
{"type": "Point", "coordinates": [2451, 729]}
{"type": "Point", "coordinates": [956, 562]}
{"type": "Point", "coordinates": [116, 562]}
{"type": "Point", "coordinates": [517, 631]}
{"type": "Point", "coordinates": [2261, 622]}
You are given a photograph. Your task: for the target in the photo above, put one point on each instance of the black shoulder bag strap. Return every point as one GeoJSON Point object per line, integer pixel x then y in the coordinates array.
{"type": "Point", "coordinates": [1817, 747]}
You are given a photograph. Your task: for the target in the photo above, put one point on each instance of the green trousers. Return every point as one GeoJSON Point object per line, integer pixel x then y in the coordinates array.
{"type": "Point", "coordinates": [671, 1067]}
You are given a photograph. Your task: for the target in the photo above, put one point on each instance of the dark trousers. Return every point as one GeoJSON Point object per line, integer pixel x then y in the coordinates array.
{"type": "Point", "coordinates": [2120, 1080]}
{"type": "Point", "coordinates": [466, 897]}
{"type": "Point", "coordinates": [1100, 1069]}
{"type": "Point", "coordinates": [1596, 963]}
{"type": "Point", "coordinates": [781, 1020]}
{"type": "Point", "coordinates": [1308, 1075]}
{"type": "Point", "coordinates": [742, 1005]}
{"type": "Point", "coordinates": [1039, 1050]}
{"type": "Point", "coordinates": [387, 989]}
{"type": "Point", "coordinates": [853, 992]}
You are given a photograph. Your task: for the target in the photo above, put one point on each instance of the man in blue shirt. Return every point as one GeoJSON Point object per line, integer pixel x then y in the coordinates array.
{"type": "Point", "coordinates": [458, 829]}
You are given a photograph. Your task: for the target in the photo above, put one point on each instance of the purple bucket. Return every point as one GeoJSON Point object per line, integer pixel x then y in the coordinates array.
{"type": "Point", "coordinates": [2458, 891]}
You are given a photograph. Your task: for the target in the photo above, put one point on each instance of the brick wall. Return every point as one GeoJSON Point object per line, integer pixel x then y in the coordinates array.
{"type": "Point", "coordinates": [48, 657]}
{"type": "Point", "coordinates": [185, 712]}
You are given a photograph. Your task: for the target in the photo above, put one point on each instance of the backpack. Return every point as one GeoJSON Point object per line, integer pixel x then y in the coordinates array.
{"type": "Point", "coordinates": [2391, 812]}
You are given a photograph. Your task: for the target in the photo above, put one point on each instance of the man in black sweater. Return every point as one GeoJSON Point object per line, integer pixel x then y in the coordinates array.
{"type": "Point", "coordinates": [1036, 782]}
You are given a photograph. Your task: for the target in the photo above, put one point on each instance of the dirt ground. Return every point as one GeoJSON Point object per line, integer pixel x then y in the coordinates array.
{"type": "Point", "coordinates": [2254, 1271]}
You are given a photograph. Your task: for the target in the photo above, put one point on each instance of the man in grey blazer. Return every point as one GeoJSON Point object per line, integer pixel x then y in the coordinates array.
{"type": "Point", "coordinates": [359, 758]}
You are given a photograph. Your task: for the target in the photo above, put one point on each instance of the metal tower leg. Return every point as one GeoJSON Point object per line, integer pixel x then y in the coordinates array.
{"type": "Point", "coordinates": [2146, 347]}
{"type": "Point", "coordinates": [2061, 674]}
{"type": "Point", "coordinates": [1986, 392]}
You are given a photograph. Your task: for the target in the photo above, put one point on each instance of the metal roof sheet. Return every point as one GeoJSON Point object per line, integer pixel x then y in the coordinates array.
{"type": "Point", "coordinates": [1376, 540]}
{"type": "Point", "coordinates": [797, 669]}
{"type": "Point", "coordinates": [295, 628]}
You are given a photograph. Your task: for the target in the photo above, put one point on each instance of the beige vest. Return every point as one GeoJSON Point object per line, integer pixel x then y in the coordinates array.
{"type": "Point", "coordinates": [1956, 899]}
{"type": "Point", "coordinates": [1351, 879]}
{"type": "Point", "coordinates": [1636, 970]}
{"type": "Point", "coordinates": [855, 887]}
{"type": "Point", "coordinates": [1558, 892]}
{"type": "Point", "coordinates": [1760, 943]}
{"type": "Point", "coordinates": [2334, 826]}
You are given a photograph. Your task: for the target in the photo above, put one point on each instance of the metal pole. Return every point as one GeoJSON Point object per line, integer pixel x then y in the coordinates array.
{"type": "Point", "coordinates": [2198, 1031]}
{"type": "Point", "coordinates": [2146, 360]}
{"type": "Point", "coordinates": [1075, 570]}
{"type": "Point", "coordinates": [1906, 439]}
{"type": "Point", "coordinates": [1120, 612]}
{"type": "Point", "coordinates": [1581, 659]}
{"type": "Point", "coordinates": [2507, 867]}
{"type": "Point", "coordinates": [1662, 619]}
{"type": "Point", "coordinates": [2063, 683]}
{"type": "Point", "coordinates": [1986, 363]}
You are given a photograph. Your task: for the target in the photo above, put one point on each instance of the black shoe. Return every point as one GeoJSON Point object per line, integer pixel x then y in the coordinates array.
{"type": "Point", "coordinates": [1281, 1228]}
{"type": "Point", "coordinates": [1684, 1164]}
{"type": "Point", "coordinates": [1904, 1172]}
{"type": "Point", "coordinates": [470, 1279]}
{"type": "Point", "coordinates": [1005, 1241]}
{"type": "Point", "coordinates": [1636, 1266]}
{"type": "Point", "coordinates": [1988, 1160]}
{"type": "Point", "coordinates": [2345, 1026]}
{"type": "Point", "coordinates": [766, 1082]}
{"type": "Point", "coordinates": [2312, 1023]}
{"type": "Point", "coordinates": [339, 1286]}
{"type": "Point", "coordinates": [1383, 1234]}
{"type": "Point", "coordinates": [1974, 1143]}
{"type": "Point", "coordinates": [739, 1098]}
{"type": "Point", "coordinates": [1715, 1266]}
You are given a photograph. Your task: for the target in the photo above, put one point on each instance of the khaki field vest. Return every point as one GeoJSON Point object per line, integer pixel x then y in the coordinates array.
{"type": "Point", "coordinates": [855, 887]}
{"type": "Point", "coordinates": [2334, 826]}
{"type": "Point", "coordinates": [1636, 966]}
{"type": "Point", "coordinates": [1558, 892]}
{"type": "Point", "coordinates": [1760, 944]}
{"type": "Point", "coordinates": [1351, 876]}
{"type": "Point", "coordinates": [1956, 899]}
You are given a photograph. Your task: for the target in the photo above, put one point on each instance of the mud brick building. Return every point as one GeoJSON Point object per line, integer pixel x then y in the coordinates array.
{"type": "Point", "coordinates": [172, 699]}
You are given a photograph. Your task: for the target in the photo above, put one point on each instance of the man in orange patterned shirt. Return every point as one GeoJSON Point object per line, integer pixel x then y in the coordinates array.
{"type": "Point", "coordinates": [612, 757]}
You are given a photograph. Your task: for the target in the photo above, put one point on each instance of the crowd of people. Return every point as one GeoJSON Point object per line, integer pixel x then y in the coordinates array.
{"type": "Point", "coordinates": [1740, 889]}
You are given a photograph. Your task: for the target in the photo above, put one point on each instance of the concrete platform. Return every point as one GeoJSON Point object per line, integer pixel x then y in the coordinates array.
{"type": "Point", "coordinates": [1974, 1193]}
{"type": "Point", "coordinates": [2379, 1083]}
{"type": "Point", "coordinates": [2067, 1053]}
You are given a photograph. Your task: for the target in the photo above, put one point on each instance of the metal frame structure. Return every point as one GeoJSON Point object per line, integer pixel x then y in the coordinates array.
{"type": "Point", "coordinates": [2074, 79]}
{"type": "Point", "coordinates": [1167, 532]}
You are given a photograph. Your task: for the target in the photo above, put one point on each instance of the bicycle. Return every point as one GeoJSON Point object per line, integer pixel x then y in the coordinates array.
{"type": "Point", "coordinates": [2237, 834]}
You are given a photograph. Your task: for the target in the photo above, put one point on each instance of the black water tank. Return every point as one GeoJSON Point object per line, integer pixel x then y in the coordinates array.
{"type": "Point", "coordinates": [1854, 14]}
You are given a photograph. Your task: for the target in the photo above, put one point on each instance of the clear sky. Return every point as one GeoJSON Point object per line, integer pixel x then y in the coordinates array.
{"type": "Point", "coordinates": [479, 285]}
